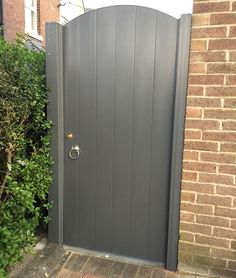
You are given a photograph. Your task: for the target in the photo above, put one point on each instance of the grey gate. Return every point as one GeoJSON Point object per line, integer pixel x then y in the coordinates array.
{"type": "Point", "coordinates": [118, 78]}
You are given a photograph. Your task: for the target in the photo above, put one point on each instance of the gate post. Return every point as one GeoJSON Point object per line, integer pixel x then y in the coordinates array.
{"type": "Point", "coordinates": [54, 71]}
{"type": "Point", "coordinates": [182, 57]}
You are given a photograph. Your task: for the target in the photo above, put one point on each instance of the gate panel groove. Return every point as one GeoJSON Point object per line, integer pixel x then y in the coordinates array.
{"type": "Point", "coordinates": [86, 106]}
{"type": "Point", "coordinates": [104, 125]}
{"type": "Point", "coordinates": [125, 31]}
{"type": "Point", "coordinates": [141, 129]}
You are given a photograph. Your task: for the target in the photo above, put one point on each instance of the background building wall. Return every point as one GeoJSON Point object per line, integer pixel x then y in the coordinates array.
{"type": "Point", "coordinates": [48, 12]}
{"type": "Point", "coordinates": [208, 199]}
{"type": "Point", "coordinates": [14, 16]}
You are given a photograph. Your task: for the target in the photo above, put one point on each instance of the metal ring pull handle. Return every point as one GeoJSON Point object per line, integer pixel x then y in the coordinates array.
{"type": "Point", "coordinates": [74, 152]}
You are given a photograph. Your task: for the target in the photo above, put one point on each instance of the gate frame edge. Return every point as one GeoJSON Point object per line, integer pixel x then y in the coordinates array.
{"type": "Point", "coordinates": [182, 61]}
{"type": "Point", "coordinates": [55, 111]}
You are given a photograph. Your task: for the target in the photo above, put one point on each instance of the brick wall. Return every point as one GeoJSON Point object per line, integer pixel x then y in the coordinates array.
{"type": "Point", "coordinates": [14, 16]}
{"type": "Point", "coordinates": [49, 12]}
{"type": "Point", "coordinates": [208, 198]}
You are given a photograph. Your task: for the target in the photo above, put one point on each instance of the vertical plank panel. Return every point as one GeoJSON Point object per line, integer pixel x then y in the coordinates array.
{"type": "Point", "coordinates": [124, 66]}
{"type": "Point", "coordinates": [164, 90]}
{"type": "Point", "coordinates": [104, 126]}
{"type": "Point", "coordinates": [119, 93]}
{"type": "Point", "coordinates": [71, 123]}
{"type": "Point", "coordinates": [86, 74]}
{"type": "Point", "coordinates": [141, 133]}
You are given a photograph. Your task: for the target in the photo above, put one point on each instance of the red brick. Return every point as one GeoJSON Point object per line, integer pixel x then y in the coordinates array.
{"type": "Point", "coordinates": [190, 155]}
{"type": "Point", "coordinates": [92, 276]}
{"type": "Point", "coordinates": [226, 190]}
{"type": "Point", "coordinates": [207, 56]}
{"type": "Point", "coordinates": [221, 253]}
{"type": "Point", "coordinates": [200, 145]}
{"type": "Point", "coordinates": [202, 124]}
{"type": "Point", "coordinates": [232, 31]}
{"type": "Point", "coordinates": [216, 178]}
{"type": "Point", "coordinates": [198, 45]}
{"type": "Point", "coordinates": [227, 68]}
{"type": "Point", "coordinates": [230, 103]}
{"type": "Point", "coordinates": [188, 196]}
{"type": "Point", "coordinates": [190, 176]}
{"type": "Point", "coordinates": [206, 79]}
{"type": "Point", "coordinates": [217, 157]}
{"type": "Point", "coordinates": [210, 32]}
{"type": "Point", "coordinates": [234, 9]}
{"type": "Point", "coordinates": [219, 136]}
{"type": "Point", "coordinates": [197, 208]}
{"type": "Point", "coordinates": [210, 139]}
{"type": "Point", "coordinates": [229, 125]}
{"type": "Point", "coordinates": [14, 17]}
{"type": "Point", "coordinates": [199, 166]}
{"type": "Point", "coordinates": [214, 241]}
{"type": "Point", "coordinates": [214, 200]}
{"type": "Point", "coordinates": [49, 11]}
{"type": "Point", "coordinates": [209, 261]}
{"type": "Point", "coordinates": [226, 212]}
{"type": "Point", "coordinates": [200, 19]}
{"type": "Point", "coordinates": [203, 102]}
{"type": "Point", "coordinates": [220, 44]}
{"type": "Point", "coordinates": [187, 217]}
{"type": "Point", "coordinates": [232, 265]}
{"type": "Point", "coordinates": [193, 112]}
{"type": "Point", "coordinates": [232, 56]}
{"type": "Point", "coordinates": [196, 249]}
{"type": "Point", "coordinates": [211, 7]}
{"type": "Point", "coordinates": [222, 91]}
{"type": "Point", "coordinates": [227, 169]}
{"type": "Point", "coordinates": [192, 134]}
{"type": "Point", "coordinates": [212, 220]}
{"type": "Point", "coordinates": [195, 91]}
{"type": "Point", "coordinates": [219, 114]}
{"type": "Point", "coordinates": [186, 237]}
{"type": "Point", "coordinates": [223, 18]}
{"type": "Point", "coordinates": [228, 147]}
{"type": "Point", "coordinates": [198, 187]}
{"type": "Point", "coordinates": [195, 228]}
{"type": "Point", "coordinates": [197, 68]}
{"type": "Point", "coordinates": [231, 80]}
{"type": "Point", "coordinates": [233, 226]}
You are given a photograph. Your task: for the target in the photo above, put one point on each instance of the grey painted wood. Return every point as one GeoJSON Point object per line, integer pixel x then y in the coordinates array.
{"type": "Point", "coordinates": [54, 64]}
{"type": "Point", "coordinates": [120, 66]}
{"type": "Point", "coordinates": [71, 190]}
{"type": "Point", "coordinates": [162, 117]}
{"type": "Point", "coordinates": [145, 33]}
{"type": "Point", "coordinates": [124, 72]}
{"type": "Point", "coordinates": [86, 128]}
{"type": "Point", "coordinates": [105, 51]}
{"type": "Point", "coordinates": [184, 29]}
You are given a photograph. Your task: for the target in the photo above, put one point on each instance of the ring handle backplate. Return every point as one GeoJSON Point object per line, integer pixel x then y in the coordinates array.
{"type": "Point", "coordinates": [74, 152]}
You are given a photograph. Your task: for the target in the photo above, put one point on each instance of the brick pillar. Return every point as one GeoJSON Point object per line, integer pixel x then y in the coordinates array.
{"type": "Point", "coordinates": [208, 198]}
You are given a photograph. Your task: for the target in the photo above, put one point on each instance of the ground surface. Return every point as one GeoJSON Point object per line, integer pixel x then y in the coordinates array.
{"type": "Point", "coordinates": [51, 260]}
{"type": "Point", "coordinates": [78, 266]}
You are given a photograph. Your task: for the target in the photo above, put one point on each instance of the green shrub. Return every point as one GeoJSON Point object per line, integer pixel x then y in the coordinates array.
{"type": "Point", "coordinates": [24, 149]}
